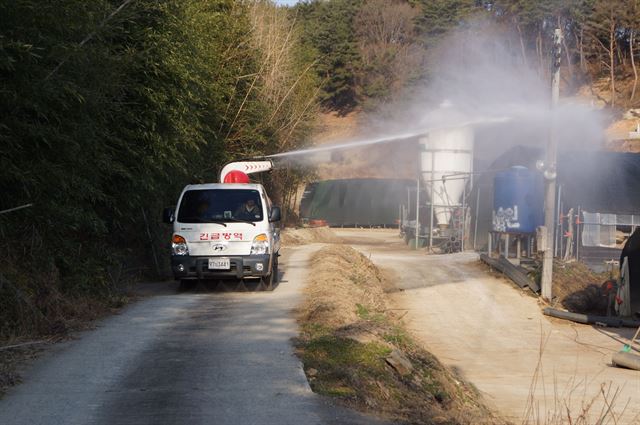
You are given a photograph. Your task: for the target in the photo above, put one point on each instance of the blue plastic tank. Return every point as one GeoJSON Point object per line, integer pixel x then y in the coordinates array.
{"type": "Point", "coordinates": [518, 201]}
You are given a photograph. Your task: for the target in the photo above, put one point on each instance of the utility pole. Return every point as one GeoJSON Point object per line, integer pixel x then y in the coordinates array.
{"type": "Point", "coordinates": [550, 173]}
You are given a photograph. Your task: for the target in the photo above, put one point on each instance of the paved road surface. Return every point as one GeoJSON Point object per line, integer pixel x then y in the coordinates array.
{"type": "Point", "coordinates": [195, 358]}
{"type": "Point", "coordinates": [491, 332]}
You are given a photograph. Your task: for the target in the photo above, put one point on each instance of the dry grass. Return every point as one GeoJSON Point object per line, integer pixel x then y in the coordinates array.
{"type": "Point", "coordinates": [72, 315]}
{"type": "Point", "coordinates": [573, 404]}
{"type": "Point", "coordinates": [34, 312]}
{"type": "Point", "coordinates": [348, 331]}
{"type": "Point", "coordinates": [10, 362]}
{"type": "Point", "coordinates": [333, 126]}
{"type": "Point", "coordinates": [578, 288]}
{"type": "Point", "coordinates": [301, 236]}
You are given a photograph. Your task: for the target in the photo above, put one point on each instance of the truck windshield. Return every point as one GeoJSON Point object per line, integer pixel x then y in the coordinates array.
{"type": "Point", "coordinates": [220, 205]}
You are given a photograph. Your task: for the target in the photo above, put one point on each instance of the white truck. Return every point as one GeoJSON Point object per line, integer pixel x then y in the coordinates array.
{"type": "Point", "coordinates": [227, 230]}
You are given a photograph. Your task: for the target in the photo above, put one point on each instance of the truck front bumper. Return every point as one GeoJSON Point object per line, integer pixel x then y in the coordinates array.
{"type": "Point", "coordinates": [188, 267]}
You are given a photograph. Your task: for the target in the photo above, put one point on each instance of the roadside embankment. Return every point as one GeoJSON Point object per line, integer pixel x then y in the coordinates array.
{"type": "Point", "coordinates": [305, 235]}
{"type": "Point", "coordinates": [35, 312]}
{"type": "Point", "coordinates": [355, 349]}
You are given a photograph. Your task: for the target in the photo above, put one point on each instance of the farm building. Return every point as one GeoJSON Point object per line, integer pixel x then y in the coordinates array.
{"type": "Point", "coordinates": [354, 202]}
{"type": "Point", "coordinates": [598, 201]}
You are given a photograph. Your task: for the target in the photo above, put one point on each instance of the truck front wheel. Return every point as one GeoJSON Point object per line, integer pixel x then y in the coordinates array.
{"type": "Point", "coordinates": [186, 285]}
{"type": "Point", "coordinates": [269, 282]}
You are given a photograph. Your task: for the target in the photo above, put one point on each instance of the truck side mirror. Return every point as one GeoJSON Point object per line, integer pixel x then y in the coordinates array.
{"type": "Point", "coordinates": [275, 214]}
{"type": "Point", "coordinates": [168, 215]}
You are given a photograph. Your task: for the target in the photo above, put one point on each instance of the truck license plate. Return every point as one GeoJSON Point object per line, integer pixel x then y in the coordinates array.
{"type": "Point", "coordinates": [219, 264]}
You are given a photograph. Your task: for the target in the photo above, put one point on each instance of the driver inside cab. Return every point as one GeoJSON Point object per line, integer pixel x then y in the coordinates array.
{"type": "Point", "coordinates": [249, 210]}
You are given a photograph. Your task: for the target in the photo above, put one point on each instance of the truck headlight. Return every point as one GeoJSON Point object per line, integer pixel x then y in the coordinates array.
{"type": "Point", "coordinates": [260, 244]}
{"type": "Point", "coordinates": [179, 245]}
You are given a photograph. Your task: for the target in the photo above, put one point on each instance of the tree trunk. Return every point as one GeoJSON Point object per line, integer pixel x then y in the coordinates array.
{"type": "Point", "coordinates": [633, 65]}
{"type": "Point", "coordinates": [583, 62]}
{"type": "Point", "coordinates": [580, 46]}
{"type": "Point", "coordinates": [565, 47]}
{"type": "Point", "coordinates": [539, 52]}
{"type": "Point", "coordinates": [295, 201]}
{"type": "Point", "coordinates": [612, 58]}
{"type": "Point", "coordinates": [622, 60]}
{"type": "Point", "coordinates": [524, 52]}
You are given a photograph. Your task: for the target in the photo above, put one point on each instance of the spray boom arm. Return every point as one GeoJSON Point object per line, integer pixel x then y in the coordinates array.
{"type": "Point", "coordinates": [247, 167]}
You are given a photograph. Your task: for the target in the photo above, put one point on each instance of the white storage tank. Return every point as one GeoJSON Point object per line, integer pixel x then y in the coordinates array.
{"type": "Point", "coordinates": [446, 153]}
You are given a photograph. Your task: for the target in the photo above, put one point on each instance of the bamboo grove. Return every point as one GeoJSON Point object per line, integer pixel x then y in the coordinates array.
{"type": "Point", "coordinates": [108, 108]}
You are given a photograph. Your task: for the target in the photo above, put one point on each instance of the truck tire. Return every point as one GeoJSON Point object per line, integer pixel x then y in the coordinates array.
{"type": "Point", "coordinates": [186, 285]}
{"type": "Point", "coordinates": [270, 281]}
{"type": "Point", "coordinates": [274, 271]}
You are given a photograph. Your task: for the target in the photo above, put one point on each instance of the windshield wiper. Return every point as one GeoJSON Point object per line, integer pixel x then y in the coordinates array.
{"type": "Point", "coordinates": [201, 220]}
{"type": "Point", "coordinates": [216, 222]}
{"type": "Point", "coordinates": [239, 220]}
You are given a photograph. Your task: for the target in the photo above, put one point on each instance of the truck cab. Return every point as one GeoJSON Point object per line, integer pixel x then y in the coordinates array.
{"type": "Point", "coordinates": [224, 231]}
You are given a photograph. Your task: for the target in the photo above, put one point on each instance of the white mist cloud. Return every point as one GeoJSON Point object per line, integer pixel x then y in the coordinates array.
{"type": "Point", "coordinates": [478, 78]}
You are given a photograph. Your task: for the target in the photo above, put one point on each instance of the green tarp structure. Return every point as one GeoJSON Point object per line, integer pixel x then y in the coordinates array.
{"type": "Point", "coordinates": [355, 202]}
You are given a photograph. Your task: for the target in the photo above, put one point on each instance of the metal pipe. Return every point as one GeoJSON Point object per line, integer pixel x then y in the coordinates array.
{"type": "Point", "coordinates": [471, 173]}
{"type": "Point", "coordinates": [490, 244]}
{"type": "Point", "coordinates": [408, 201]}
{"type": "Point", "coordinates": [445, 178]}
{"type": "Point", "coordinates": [418, 208]}
{"type": "Point", "coordinates": [578, 235]}
{"type": "Point", "coordinates": [590, 319]}
{"type": "Point", "coordinates": [431, 212]}
{"type": "Point", "coordinates": [628, 360]}
{"type": "Point", "coordinates": [449, 206]}
{"type": "Point", "coordinates": [466, 173]}
{"type": "Point", "coordinates": [449, 150]}
{"type": "Point", "coordinates": [464, 216]}
{"type": "Point", "coordinates": [561, 231]}
{"type": "Point", "coordinates": [598, 224]}
{"type": "Point", "coordinates": [558, 233]}
{"type": "Point", "coordinates": [475, 230]}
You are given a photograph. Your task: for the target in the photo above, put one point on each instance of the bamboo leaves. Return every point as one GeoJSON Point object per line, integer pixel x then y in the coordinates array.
{"type": "Point", "coordinates": [110, 106]}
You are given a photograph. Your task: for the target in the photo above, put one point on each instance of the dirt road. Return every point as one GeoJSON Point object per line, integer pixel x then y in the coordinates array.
{"type": "Point", "coordinates": [196, 358]}
{"type": "Point", "coordinates": [491, 333]}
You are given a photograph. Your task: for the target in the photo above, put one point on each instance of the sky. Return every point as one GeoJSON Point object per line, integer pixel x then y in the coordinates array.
{"type": "Point", "coordinates": [286, 2]}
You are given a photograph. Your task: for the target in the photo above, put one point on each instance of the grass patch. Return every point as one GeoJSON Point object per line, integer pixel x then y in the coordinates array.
{"type": "Point", "coordinates": [398, 337]}
{"type": "Point", "coordinates": [362, 311]}
{"type": "Point", "coordinates": [333, 359]}
{"type": "Point", "coordinates": [364, 314]}
{"type": "Point", "coordinates": [354, 349]}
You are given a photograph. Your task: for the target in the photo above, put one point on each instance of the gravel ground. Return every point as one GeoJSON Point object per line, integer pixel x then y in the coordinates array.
{"type": "Point", "coordinates": [491, 333]}
{"type": "Point", "coordinates": [198, 358]}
